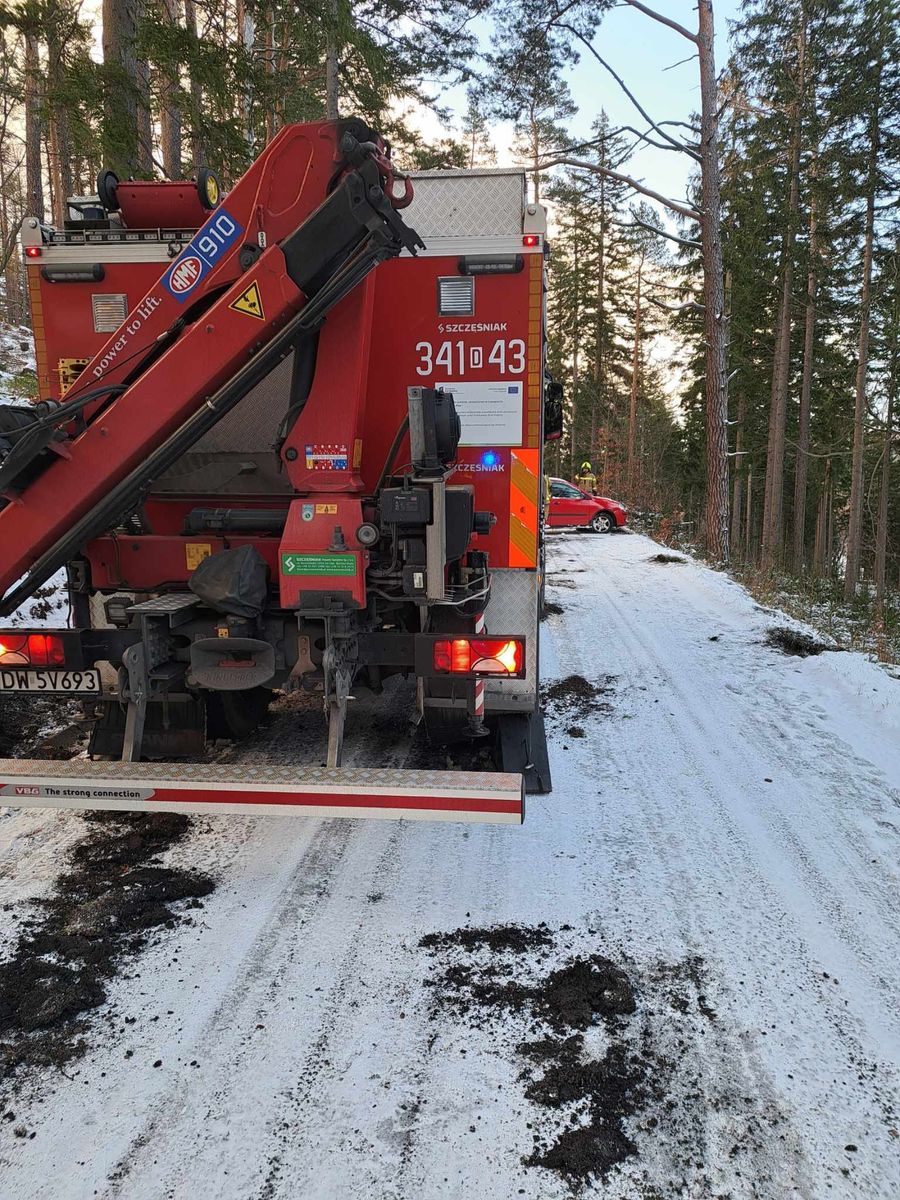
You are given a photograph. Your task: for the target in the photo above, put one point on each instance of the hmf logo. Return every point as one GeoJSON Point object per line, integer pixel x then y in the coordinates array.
{"type": "Point", "coordinates": [185, 275]}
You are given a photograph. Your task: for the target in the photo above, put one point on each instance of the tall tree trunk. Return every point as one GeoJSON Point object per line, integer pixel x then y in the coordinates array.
{"type": "Point", "coordinates": [144, 123]}
{"type": "Point", "coordinates": [198, 148]}
{"type": "Point", "coordinates": [635, 380]}
{"type": "Point", "coordinates": [34, 129]}
{"type": "Point", "coordinates": [576, 366]}
{"type": "Point", "coordinates": [269, 61]}
{"type": "Point", "coordinates": [854, 528]}
{"type": "Point", "coordinates": [885, 496]}
{"type": "Point", "coordinates": [809, 351]}
{"type": "Point", "coordinates": [884, 503]}
{"type": "Point", "coordinates": [127, 129]}
{"type": "Point", "coordinates": [600, 388]}
{"type": "Point", "coordinates": [60, 166]}
{"type": "Point", "coordinates": [247, 35]}
{"type": "Point", "coordinates": [822, 549]}
{"type": "Point", "coordinates": [332, 63]}
{"type": "Point", "coordinates": [739, 475]}
{"type": "Point", "coordinates": [283, 48]}
{"type": "Point", "coordinates": [773, 520]}
{"type": "Point", "coordinates": [535, 159]}
{"type": "Point", "coordinates": [57, 30]}
{"type": "Point", "coordinates": [170, 113]}
{"type": "Point", "coordinates": [715, 326]}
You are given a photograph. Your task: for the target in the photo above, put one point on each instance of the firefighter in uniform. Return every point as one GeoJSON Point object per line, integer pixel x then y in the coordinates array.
{"type": "Point", "coordinates": [586, 479]}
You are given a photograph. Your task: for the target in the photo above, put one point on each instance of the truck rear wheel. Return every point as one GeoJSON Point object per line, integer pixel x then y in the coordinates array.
{"type": "Point", "coordinates": [235, 715]}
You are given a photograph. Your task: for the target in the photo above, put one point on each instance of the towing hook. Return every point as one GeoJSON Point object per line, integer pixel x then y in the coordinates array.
{"type": "Point", "coordinates": [405, 199]}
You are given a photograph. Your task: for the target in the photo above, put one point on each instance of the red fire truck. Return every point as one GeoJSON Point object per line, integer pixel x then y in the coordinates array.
{"type": "Point", "coordinates": [288, 438]}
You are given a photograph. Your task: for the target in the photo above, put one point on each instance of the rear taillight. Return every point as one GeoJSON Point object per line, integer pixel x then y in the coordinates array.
{"type": "Point", "coordinates": [479, 656]}
{"type": "Point", "coordinates": [32, 650]}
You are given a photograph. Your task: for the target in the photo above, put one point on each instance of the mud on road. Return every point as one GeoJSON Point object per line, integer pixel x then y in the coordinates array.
{"type": "Point", "coordinates": [108, 901]}
{"type": "Point", "coordinates": [609, 1058]}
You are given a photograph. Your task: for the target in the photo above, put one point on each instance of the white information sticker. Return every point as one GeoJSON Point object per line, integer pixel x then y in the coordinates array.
{"type": "Point", "coordinates": [491, 413]}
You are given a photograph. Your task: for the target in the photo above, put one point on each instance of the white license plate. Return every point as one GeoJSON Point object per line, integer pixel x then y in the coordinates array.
{"type": "Point", "coordinates": [21, 679]}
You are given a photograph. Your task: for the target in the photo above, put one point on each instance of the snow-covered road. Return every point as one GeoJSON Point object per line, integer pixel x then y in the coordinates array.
{"type": "Point", "coordinates": [725, 825]}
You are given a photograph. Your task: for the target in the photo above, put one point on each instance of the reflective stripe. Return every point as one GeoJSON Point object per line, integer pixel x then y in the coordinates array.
{"type": "Point", "coordinates": [523, 507]}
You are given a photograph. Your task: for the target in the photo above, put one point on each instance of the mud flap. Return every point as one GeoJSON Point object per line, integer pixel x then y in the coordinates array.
{"type": "Point", "coordinates": [485, 797]}
{"type": "Point", "coordinates": [522, 743]}
{"type": "Point", "coordinates": [173, 730]}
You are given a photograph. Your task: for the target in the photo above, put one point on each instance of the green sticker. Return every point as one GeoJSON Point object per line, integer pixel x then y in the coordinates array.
{"type": "Point", "coordinates": [318, 564]}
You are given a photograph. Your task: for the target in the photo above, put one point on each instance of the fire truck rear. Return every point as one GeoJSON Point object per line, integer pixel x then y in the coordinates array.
{"type": "Point", "coordinates": [288, 439]}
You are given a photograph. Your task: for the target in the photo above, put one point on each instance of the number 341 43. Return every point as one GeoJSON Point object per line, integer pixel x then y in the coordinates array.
{"type": "Point", "coordinates": [459, 358]}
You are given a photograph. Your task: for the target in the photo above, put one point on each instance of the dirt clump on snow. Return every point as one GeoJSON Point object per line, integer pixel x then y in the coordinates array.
{"type": "Point", "coordinates": [576, 696]}
{"type": "Point", "coordinates": [590, 1097]}
{"type": "Point", "coordinates": [665, 559]}
{"type": "Point", "coordinates": [614, 1090]}
{"type": "Point", "coordinates": [796, 642]}
{"type": "Point", "coordinates": [516, 938]}
{"type": "Point", "coordinates": [39, 727]}
{"type": "Point", "coordinates": [105, 906]}
{"type": "Point", "coordinates": [624, 1067]}
{"type": "Point", "coordinates": [552, 609]}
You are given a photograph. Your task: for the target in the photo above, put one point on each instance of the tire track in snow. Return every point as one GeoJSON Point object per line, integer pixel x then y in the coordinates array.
{"type": "Point", "coordinates": [854, 933]}
{"type": "Point", "coordinates": [733, 844]}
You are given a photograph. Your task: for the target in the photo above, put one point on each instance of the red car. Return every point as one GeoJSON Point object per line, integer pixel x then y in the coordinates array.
{"type": "Point", "coordinates": [569, 506]}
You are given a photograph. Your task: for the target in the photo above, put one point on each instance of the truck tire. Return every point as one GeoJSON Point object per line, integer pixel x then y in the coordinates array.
{"type": "Point", "coordinates": [235, 715]}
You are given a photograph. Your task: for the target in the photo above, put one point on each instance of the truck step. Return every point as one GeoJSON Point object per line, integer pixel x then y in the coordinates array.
{"type": "Point", "coordinates": [472, 796]}
{"type": "Point", "coordinates": [159, 606]}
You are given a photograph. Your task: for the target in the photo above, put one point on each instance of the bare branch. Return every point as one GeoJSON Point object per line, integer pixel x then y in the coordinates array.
{"type": "Point", "coordinates": [673, 142]}
{"type": "Point", "coordinates": [683, 124]}
{"type": "Point", "coordinates": [688, 304]}
{"type": "Point", "coordinates": [678, 148]}
{"type": "Point", "coordinates": [649, 12]}
{"type": "Point", "coordinates": [563, 160]}
{"type": "Point", "coordinates": [673, 237]}
{"type": "Point", "coordinates": [680, 62]}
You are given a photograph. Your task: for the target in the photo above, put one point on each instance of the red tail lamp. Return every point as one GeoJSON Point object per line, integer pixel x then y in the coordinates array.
{"type": "Point", "coordinates": [531, 239]}
{"type": "Point", "coordinates": [32, 650]}
{"type": "Point", "coordinates": [33, 252]}
{"type": "Point", "coordinates": [480, 656]}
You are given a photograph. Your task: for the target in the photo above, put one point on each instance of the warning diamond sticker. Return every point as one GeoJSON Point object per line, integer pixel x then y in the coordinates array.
{"type": "Point", "coordinates": [249, 302]}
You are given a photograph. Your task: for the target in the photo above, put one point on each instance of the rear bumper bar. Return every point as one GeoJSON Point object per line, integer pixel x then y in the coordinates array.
{"type": "Point", "coordinates": [471, 796]}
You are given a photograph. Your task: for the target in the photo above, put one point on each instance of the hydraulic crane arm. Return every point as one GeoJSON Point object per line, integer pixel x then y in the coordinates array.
{"type": "Point", "coordinates": [262, 273]}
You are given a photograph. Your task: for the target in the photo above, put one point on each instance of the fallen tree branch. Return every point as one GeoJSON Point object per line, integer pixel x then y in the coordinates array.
{"type": "Point", "coordinates": [688, 304]}
{"type": "Point", "coordinates": [673, 237]}
{"type": "Point", "coordinates": [680, 63]}
{"type": "Point", "coordinates": [649, 12]}
{"type": "Point", "coordinates": [564, 160]}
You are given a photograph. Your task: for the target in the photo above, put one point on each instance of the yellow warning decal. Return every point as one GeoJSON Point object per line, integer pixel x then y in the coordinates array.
{"type": "Point", "coordinates": [328, 509]}
{"type": "Point", "coordinates": [194, 554]}
{"type": "Point", "coordinates": [249, 302]}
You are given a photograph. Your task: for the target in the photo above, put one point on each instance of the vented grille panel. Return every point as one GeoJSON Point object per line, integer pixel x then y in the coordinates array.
{"type": "Point", "coordinates": [110, 310]}
{"type": "Point", "coordinates": [456, 296]}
